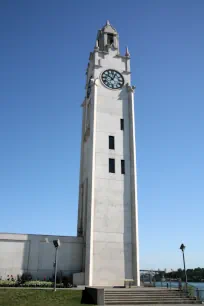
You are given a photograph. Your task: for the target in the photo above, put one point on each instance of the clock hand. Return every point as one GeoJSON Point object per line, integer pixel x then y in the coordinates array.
{"type": "Point", "coordinates": [112, 76]}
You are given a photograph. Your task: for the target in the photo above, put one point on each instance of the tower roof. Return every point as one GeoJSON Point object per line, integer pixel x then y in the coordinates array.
{"type": "Point", "coordinates": [108, 28]}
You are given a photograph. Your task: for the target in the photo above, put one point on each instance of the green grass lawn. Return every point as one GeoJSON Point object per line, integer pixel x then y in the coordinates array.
{"type": "Point", "coordinates": [40, 297]}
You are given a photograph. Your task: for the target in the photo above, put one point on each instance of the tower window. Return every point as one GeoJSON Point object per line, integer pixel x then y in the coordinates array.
{"type": "Point", "coordinates": [110, 39]}
{"type": "Point", "coordinates": [111, 165]}
{"type": "Point", "coordinates": [122, 124]}
{"type": "Point", "coordinates": [111, 143]}
{"type": "Point", "coordinates": [122, 166]}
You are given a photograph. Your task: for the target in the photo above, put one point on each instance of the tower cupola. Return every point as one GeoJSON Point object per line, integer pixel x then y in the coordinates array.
{"type": "Point", "coordinates": [107, 38]}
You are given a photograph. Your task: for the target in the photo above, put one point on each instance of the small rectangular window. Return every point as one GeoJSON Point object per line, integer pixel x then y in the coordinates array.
{"type": "Point", "coordinates": [111, 143]}
{"type": "Point", "coordinates": [111, 165]}
{"type": "Point", "coordinates": [122, 166]}
{"type": "Point", "coordinates": [122, 124]}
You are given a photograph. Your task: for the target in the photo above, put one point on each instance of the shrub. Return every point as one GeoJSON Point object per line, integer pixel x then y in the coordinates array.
{"type": "Point", "coordinates": [18, 279]}
{"type": "Point", "coordinates": [10, 277]}
{"type": "Point", "coordinates": [190, 291]}
{"type": "Point", "coordinates": [37, 284]}
{"type": "Point", "coordinates": [8, 283]}
{"type": "Point", "coordinates": [32, 283]}
{"type": "Point", "coordinates": [26, 276]}
{"type": "Point", "coordinates": [60, 285]}
{"type": "Point", "coordinates": [59, 277]}
{"type": "Point", "coordinates": [67, 281]}
{"type": "Point", "coordinates": [42, 284]}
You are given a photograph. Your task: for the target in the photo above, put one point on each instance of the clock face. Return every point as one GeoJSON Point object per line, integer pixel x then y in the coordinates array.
{"type": "Point", "coordinates": [112, 79]}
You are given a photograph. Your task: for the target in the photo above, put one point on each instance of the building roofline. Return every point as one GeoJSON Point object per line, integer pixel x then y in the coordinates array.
{"type": "Point", "coordinates": [46, 235]}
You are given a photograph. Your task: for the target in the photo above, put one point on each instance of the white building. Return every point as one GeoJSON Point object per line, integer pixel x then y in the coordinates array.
{"type": "Point", "coordinates": [106, 249]}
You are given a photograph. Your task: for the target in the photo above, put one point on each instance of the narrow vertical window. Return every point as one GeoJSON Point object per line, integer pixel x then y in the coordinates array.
{"type": "Point", "coordinates": [122, 124]}
{"type": "Point", "coordinates": [88, 110]}
{"type": "Point", "coordinates": [122, 166]}
{"type": "Point", "coordinates": [111, 165]}
{"type": "Point", "coordinates": [110, 39]}
{"type": "Point", "coordinates": [111, 143]}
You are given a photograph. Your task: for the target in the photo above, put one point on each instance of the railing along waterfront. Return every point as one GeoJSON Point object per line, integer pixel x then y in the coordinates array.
{"type": "Point", "coordinates": [192, 290]}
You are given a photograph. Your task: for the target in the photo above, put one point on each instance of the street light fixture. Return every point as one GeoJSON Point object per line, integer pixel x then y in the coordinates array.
{"type": "Point", "coordinates": [56, 245]}
{"type": "Point", "coordinates": [182, 248]}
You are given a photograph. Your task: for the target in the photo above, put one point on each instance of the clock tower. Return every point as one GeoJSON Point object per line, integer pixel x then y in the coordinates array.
{"type": "Point", "coordinates": [107, 212]}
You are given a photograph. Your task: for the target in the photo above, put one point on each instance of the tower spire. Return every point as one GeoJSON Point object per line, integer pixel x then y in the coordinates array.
{"type": "Point", "coordinates": [127, 53]}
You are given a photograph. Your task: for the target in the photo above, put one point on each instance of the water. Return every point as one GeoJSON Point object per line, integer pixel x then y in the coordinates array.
{"type": "Point", "coordinates": [200, 287]}
{"type": "Point", "coordinates": [175, 284]}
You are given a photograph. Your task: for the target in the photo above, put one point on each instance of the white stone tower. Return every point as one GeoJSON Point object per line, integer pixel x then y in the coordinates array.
{"type": "Point", "coordinates": [107, 213]}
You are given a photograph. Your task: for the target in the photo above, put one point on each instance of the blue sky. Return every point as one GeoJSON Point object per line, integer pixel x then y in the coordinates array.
{"type": "Point", "coordinates": [44, 50]}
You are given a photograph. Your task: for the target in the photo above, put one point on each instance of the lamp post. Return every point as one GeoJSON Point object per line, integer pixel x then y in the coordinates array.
{"type": "Point", "coordinates": [182, 248]}
{"type": "Point", "coordinates": [56, 245]}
